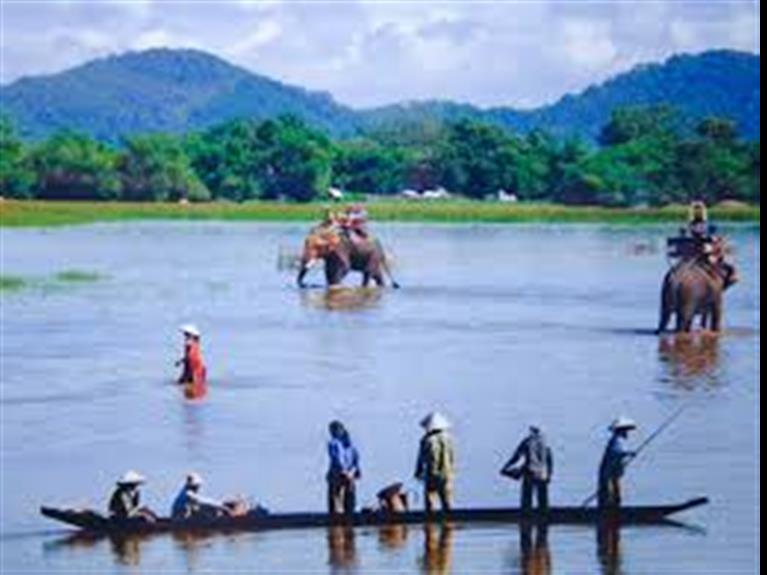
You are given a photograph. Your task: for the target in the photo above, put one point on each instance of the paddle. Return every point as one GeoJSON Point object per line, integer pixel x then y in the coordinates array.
{"type": "Point", "coordinates": [642, 446]}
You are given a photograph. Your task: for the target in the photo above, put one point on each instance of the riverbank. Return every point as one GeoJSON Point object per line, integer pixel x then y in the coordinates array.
{"type": "Point", "coordinates": [42, 213]}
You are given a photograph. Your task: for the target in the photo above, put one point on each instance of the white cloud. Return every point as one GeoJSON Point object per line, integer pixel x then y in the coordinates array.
{"type": "Point", "coordinates": [370, 53]}
{"type": "Point", "coordinates": [588, 43]}
{"type": "Point", "coordinates": [264, 32]}
{"type": "Point", "coordinates": [162, 38]}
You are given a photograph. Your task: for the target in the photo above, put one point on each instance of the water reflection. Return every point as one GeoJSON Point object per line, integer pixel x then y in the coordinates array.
{"type": "Point", "coordinates": [341, 298]}
{"type": "Point", "coordinates": [690, 358]}
{"type": "Point", "coordinates": [437, 548]}
{"type": "Point", "coordinates": [534, 556]}
{"type": "Point", "coordinates": [534, 549]}
{"type": "Point", "coordinates": [193, 414]}
{"type": "Point", "coordinates": [392, 537]}
{"type": "Point", "coordinates": [126, 550]}
{"type": "Point", "coordinates": [342, 552]}
{"type": "Point", "coordinates": [609, 548]}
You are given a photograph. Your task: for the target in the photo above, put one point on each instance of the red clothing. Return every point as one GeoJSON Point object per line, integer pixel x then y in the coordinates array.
{"type": "Point", "coordinates": [194, 369]}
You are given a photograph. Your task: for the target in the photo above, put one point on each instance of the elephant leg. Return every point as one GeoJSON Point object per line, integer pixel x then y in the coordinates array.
{"type": "Point", "coordinates": [684, 318]}
{"type": "Point", "coordinates": [716, 314]}
{"type": "Point", "coordinates": [666, 306]}
{"type": "Point", "coordinates": [665, 317]}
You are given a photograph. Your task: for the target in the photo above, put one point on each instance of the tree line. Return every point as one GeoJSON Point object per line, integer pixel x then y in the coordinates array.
{"type": "Point", "coordinates": [644, 156]}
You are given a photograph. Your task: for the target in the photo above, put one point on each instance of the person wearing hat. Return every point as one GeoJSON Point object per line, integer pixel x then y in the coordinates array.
{"type": "Point", "coordinates": [435, 465]}
{"type": "Point", "coordinates": [343, 471]}
{"type": "Point", "coordinates": [190, 503]}
{"type": "Point", "coordinates": [125, 502]}
{"type": "Point", "coordinates": [193, 371]}
{"type": "Point", "coordinates": [535, 471]}
{"type": "Point", "coordinates": [613, 463]}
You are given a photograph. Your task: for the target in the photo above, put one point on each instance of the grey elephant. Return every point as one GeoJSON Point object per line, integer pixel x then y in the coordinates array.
{"type": "Point", "coordinates": [344, 251]}
{"type": "Point", "coordinates": [695, 287]}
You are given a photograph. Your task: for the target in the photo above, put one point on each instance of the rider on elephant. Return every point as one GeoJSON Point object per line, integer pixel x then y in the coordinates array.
{"type": "Point", "coordinates": [355, 221]}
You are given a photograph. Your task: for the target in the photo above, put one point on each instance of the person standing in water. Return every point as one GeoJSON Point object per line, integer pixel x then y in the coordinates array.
{"type": "Point", "coordinates": [193, 370]}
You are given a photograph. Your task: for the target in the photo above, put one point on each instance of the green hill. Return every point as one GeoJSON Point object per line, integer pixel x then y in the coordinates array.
{"type": "Point", "coordinates": [163, 90]}
{"type": "Point", "coordinates": [159, 90]}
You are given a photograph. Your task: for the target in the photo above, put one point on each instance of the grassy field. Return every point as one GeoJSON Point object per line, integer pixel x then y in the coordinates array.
{"type": "Point", "coordinates": [41, 213]}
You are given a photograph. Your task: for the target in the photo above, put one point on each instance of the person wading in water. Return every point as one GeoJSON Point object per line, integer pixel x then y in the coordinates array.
{"type": "Point", "coordinates": [193, 370]}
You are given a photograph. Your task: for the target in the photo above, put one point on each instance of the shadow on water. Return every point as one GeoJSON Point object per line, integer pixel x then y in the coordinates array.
{"type": "Point", "coordinates": [690, 360]}
{"type": "Point", "coordinates": [341, 298]}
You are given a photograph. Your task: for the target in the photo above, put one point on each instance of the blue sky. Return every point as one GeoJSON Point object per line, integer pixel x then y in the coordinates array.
{"type": "Point", "coordinates": [521, 53]}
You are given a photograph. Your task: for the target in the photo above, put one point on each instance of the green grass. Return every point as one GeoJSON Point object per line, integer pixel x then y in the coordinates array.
{"type": "Point", "coordinates": [77, 276]}
{"type": "Point", "coordinates": [12, 283]}
{"type": "Point", "coordinates": [40, 213]}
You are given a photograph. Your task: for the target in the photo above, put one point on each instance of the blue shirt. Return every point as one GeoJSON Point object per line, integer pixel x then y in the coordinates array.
{"type": "Point", "coordinates": [614, 458]}
{"type": "Point", "coordinates": [343, 457]}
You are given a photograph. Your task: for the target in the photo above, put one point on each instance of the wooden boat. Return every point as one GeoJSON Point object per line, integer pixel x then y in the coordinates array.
{"type": "Point", "coordinates": [94, 522]}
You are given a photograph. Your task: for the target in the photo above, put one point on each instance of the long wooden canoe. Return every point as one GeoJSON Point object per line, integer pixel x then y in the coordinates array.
{"type": "Point", "coordinates": [94, 522]}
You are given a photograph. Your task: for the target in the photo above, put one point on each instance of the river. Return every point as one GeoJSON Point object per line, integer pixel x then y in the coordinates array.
{"type": "Point", "coordinates": [498, 327]}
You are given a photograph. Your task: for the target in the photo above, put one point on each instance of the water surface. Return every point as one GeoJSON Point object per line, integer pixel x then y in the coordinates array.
{"type": "Point", "coordinates": [496, 326]}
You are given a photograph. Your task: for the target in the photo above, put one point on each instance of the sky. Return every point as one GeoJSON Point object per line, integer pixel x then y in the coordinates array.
{"type": "Point", "coordinates": [520, 53]}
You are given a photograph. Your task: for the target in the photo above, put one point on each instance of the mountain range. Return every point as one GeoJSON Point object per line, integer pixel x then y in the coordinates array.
{"type": "Point", "coordinates": [170, 90]}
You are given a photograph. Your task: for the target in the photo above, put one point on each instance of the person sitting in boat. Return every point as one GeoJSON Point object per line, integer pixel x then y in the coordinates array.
{"type": "Point", "coordinates": [190, 503]}
{"type": "Point", "coordinates": [535, 471]}
{"type": "Point", "coordinates": [435, 465]}
{"type": "Point", "coordinates": [125, 502]}
{"type": "Point", "coordinates": [613, 464]}
{"type": "Point", "coordinates": [392, 499]}
{"type": "Point", "coordinates": [193, 372]}
{"type": "Point", "coordinates": [343, 471]}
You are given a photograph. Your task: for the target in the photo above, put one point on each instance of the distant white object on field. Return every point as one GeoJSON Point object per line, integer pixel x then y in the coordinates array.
{"type": "Point", "coordinates": [504, 196]}
{"type": "Point", "coordinates": [335, 194]}
{"type": "Point", "coordinates": [410, 194]}
{"type": "Point", "coordinates": [435, 194]}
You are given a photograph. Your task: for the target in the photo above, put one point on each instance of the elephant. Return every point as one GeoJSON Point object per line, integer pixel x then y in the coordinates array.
{"type": "Point", "coordinates": [695, 287]}
{"type": "Point", "coordinates": [344, 251]}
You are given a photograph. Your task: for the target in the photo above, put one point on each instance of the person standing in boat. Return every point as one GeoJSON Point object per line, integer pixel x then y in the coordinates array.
{"type": "Point", "coordinates": [193, 372]}
{"type": "Point", "coordinates": [613, 464]}
{"type": "Point", "coordinates": [535, 471]}
{"type": "Point", "coordinates": [435, 465]}
{"type": "Point", "coordinates": [343, 472]}
{"type": "Point", "coordinates": [125, 502]}
{"type": "Point", "coordinates": [190, 503]}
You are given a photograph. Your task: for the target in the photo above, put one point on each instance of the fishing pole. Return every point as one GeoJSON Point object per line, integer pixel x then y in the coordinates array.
{"type": "Point", "coordinates": [669, 420]}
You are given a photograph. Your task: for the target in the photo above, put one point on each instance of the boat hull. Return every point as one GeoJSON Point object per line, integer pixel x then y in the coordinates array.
{"type": "Point", "coordinates": [93, 522]}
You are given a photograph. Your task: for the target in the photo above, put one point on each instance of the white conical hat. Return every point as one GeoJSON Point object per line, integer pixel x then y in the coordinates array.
{"type": "Point", "coordinates": [191, 329]}
{"type": "Point", "coordinates": [194, 479]}
{"type": "Point", "coordinates": [435, 421]}
{"type": "Point", "coordinates": [622, 422]}
{"type": "Point", "coordinates": [131, 477]}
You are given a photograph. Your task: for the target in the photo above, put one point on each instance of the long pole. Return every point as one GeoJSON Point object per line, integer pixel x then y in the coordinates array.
{"type": "Point", "coordinates": [668, 421]}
